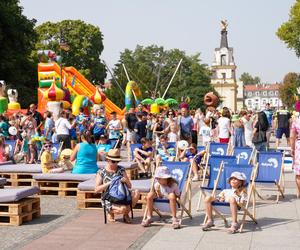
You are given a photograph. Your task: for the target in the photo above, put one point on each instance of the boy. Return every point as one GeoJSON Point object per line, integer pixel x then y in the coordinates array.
{"type": "Point", "coordinates": [165, 152]}
{"type": "Point", "coordinates": [48, 165]}
{"type": "Point", "coordinates": [143, 156]}
{"type": "Point", "coordinates": [103, 147]}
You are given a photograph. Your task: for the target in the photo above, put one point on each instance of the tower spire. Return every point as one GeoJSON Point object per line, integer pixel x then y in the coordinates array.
{"type": "Point", "coordinates": [224, 41]}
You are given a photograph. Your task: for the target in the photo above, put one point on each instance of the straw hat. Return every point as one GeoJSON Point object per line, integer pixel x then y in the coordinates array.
{"type": "Point", "coordinates": [162, 173]}
{"type": "Point", "coordinates": [113, 155]}
{"type": "Point", "coordinates": [66, 152]}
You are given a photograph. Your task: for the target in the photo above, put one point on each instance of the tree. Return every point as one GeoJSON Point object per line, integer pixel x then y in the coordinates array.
{"type": "Point", "coordinates": [288, 90]}
{"type": "Point", "coordinates": [152, 67]}
{"type": "Point", "coordinates": [289, 32]}
{"type": "Point", "coordinates": [84, 40]}
{"type": "Point", "coordinates": [17, 39]}
{"type": "Point", "coordinates": [247, 79]}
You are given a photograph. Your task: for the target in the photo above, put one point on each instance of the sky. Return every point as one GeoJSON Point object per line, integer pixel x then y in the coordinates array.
{"type": "Point", "coordinates": [189, 25]}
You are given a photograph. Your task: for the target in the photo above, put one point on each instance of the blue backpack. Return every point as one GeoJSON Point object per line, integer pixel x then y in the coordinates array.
{"type": "Point", "coordinates": [117, 192]}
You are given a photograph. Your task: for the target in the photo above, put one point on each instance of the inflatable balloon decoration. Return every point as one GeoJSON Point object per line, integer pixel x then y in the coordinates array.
{"type": "Point", "coordinates": [211, 100]}
{"type": "Point", "coordinates": [132, 92]}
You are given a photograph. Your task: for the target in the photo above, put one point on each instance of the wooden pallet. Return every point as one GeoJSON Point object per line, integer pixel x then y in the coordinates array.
{"type": "Point", "coordinates": [58, 188]}
{"type": "Point", "coordinates": [92, 200]}
{"type": "Point", "coordinates": [16, 213]}
{"type": "Point", "coordinates": [132, 173]}
{"type": "Point", "coordinates": [18, 179]}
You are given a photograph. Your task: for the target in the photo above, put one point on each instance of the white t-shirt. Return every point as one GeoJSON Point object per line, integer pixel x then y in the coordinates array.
{"type": "Point", "coordinates": [172, 137]}
{"type": "Point", "coordinates": [62, 126]}
{"type": "Point", "coordinates": [224, 127]}
{"type": "Point", "coordinates": [114, 134]}
{"type": "Point", "coordinates": [206, 134]}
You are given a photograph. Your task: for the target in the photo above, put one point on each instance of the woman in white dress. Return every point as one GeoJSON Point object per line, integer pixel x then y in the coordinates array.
{"type": "Point", "coordinates": [247, 120]}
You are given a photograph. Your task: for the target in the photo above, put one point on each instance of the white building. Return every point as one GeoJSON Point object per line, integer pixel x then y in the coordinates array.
{"type": "Point", "coordinates": [257, 96]}
{"type": "Point", "coordinates": [224, 75]}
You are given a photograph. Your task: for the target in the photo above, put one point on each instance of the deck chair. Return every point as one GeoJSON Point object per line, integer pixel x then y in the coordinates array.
{"type": "Point", "coordinates": [213, 166]}
{"type": "Point", "coordinates": [180, 171]}
{"type": "Point", "coordinates": [11, 145]}
{"type": "Point", "coordinates": [215, 148]}
{"type": "Point", "coordinates": [222, 209]}
{"type": "Point", "coordinates": [243, 154]}
{"type": "Point", "coordinates": [132, 148]}
{"type": "Point", "coordinates": [55, 151]}
{"type": "Point", "coordinates": [270, 173]}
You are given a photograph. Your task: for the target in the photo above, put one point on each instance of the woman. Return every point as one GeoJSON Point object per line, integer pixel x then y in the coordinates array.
{"type": "Point", "coordinates": [62, 128]}
{"type": "Point", "coordinates": [238, 132]}
{"type": "Point", "coordinates": [49, 125]}
{"type": "Point", "coordinates": [185, 124]}
{"type": "Point", "coordinates": [103, 181]}
{"type": "Point", "coordinates": [224, 126]}
{"type": "Point", "coordinates": [295, 147]}
{"type": "Point", "coordinates": [85, 154]}
{"type": "Point", "coordinates": [248, 127]}
{"type": "Point", "coordinates": [158, 128]}
{"type": "Point", "coordinates": [4, 150]}
{"type": "Point", "coordinates": [259, 138]}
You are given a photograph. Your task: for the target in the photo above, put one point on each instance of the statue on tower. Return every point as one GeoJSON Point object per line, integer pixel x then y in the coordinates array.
{"type": "Point", "coordinates": [224, 25]}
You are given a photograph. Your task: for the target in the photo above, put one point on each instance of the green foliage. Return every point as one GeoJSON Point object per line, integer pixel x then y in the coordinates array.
{"type": "Point", "coordinates": [289, 32]}
{"type": "Point", "coordinates": [247, 79]}
{"type": "Point", "coordinates": [17, 39]}
{"type": "Point", "coordinates": [85, 43]}
{"type": "Point", "coordinates": [288, 90]}
{"type": "Point", "coordinates": [152, 67]}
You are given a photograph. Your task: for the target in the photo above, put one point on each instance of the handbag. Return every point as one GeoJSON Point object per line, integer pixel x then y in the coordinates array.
{"type": "Point", "coordinates": [259, 136]}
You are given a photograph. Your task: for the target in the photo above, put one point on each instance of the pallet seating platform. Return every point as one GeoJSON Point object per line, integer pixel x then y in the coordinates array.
{"type": "Point", "coordinates": [131, 168]}
{"type": "Point", "coordinates": [144, 186]}
{"type": "Point", "coordinates": [17, 207]}
{"type": "Point", "coordinates": [62, 184]}
{"type": "Point", "coordinates": [19, 175]}
{"type": "Point", "coordinates": [2, 182]}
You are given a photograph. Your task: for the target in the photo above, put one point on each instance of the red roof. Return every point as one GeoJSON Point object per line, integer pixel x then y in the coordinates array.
{"type": "Point", "coordinates": [258, 87]}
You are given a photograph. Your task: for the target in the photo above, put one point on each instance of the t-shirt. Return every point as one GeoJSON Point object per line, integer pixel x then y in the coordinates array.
{"type": "Point", "coordinates": [141, 128]}
{"type": "Point", "coordinates": [166, 190]}
{"type": "Point", "coordinates": [114, 134]}
{"type": "Point", "coordinates": [226, 194]}
{"type": "Point", "coordinates": [283, 117]}
{"type": "Point", "coordinates": [186, 124]}
{"type": "Point", "coordinates": [189, 154]}
{"type": "Point", "coordinates": [103, 147]}
{"type": "Point", "coordinates": [62, 126]}
{"type": "Point", "coordinates": [205, 132]}
{"type": "Point", "coordinates": [49, 125]}
{"type": "Point", "coordinates": [171, 150]}
{"type": "Point", "coordinates": [46, 158]}
{"type": "Point", "coordinates": [224, 127]}
{"type": "Point", "coordinates": [99, 123]}
{"type": "Point", "coordinates": [131, 120]}
{"type": "Point", "coordinates": [150, 149]}
{"type": "Point", "coordinates": [81, 125]}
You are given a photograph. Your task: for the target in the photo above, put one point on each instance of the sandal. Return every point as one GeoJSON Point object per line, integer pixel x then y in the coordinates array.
{"type": "Point", "coordinates": [127, 219]}
{"type": "Point", "coordinates": [234, 228]}
{"type": "Point", "coordinates": [176, 223]}
{"type": "Point", "coordinates": [111, 217]}
{"type": "Point", "coordinates": [208, 225]}
{"type": "Point", "coordinates": [147, 222]}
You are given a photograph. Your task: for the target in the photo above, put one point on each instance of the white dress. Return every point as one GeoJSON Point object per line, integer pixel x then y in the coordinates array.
{"type": "Point", "coordinates": [248, 128]}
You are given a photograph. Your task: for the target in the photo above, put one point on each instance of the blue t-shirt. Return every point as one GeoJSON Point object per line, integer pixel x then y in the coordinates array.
{"type": "Point", "coordinates": [49, 124]}
{"type": "Point", "coordinates": [99, 122]}
{"type": "Point", "coordinates": [189, 155]}
{"type": "Point", "coordinates": [79, 120]}
{"type": "Point", "coordinates": [103, 147]}
{"type": "Point", "coordinates": [150, 149]}
{"type": "Point", "coordinates": [186, 124]}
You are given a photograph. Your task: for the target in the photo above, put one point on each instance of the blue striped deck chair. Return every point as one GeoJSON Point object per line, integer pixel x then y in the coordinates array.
{"type": "Point", "coordinates": [270, 173]}
{"type": "Point", "coordinates": [214, 164]}
{"type": "Point", "coordinates": [11, 145]}
{"type": "Point", "coordinates": [216, 148]}
{"type": "Point", "coordinates": [243, 154]}
{"type": "Point", "coordinates": [181, 171]}
{"type": "Point", "coordinates": [222, 208]}
{"type": "Point", "coordinates": [132, 148]}
{"type": "Point", "coordinates": [173, 149]}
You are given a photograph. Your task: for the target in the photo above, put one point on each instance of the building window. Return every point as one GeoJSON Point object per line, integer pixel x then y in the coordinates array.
{"type": "Point", "coordinates": [276, 93]}
{"type": "Point", "coordinates": [271, 93]}
{"type": "Point", "coordinates": [249, 94]}
{"type": "Point", "coordinates": [223, 59]}
{"type": "Point", "coordinates": [276, 101]}
{"type": "Point", "coordinates": [224, 76]}
{"type": "Point", "coordinates": [265, 93]}
{"type": "Point", "coordinates": [264, 102]}
{"type": "Point", "coordinates": [249, 102]}
{"type": "Point", "coordinates": [256, 100]}
{"type": "Point", "coordinates": [257, 93]}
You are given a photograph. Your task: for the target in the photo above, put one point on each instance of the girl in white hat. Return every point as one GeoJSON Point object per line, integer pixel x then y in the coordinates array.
{"type": "Point", "coordinates": [236, 194]}
{"type": "Point", "coordinates": [164, 187]}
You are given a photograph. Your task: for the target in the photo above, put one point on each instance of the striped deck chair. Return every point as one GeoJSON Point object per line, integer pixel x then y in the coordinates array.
{"type": "Point", "coordinates": [132, 148]}
{"type": "Point", "coordinates": [222, 209]}
{"type": "Point", "coordinates": [243, 154]}
{"type": "Point", "coordinates": [270, 174]}
{"type": "Point", "coordinates": [11, 145]}
{"type": "Point", "coordinates": [180, 171]}
{"type": "Point", "coordinates": [214, 164]}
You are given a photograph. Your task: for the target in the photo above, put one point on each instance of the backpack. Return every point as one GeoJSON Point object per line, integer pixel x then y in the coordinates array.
{"type": "Point", "coordinates": [117, 192]}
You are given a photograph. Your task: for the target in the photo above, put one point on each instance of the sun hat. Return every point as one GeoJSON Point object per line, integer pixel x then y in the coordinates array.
{"type": "Point", "coordinates": [162, 173]}
{"type": "Point", "coordinates": [235, 118]}
{"type": "Point", "coordinates": [238, 175]}
{"type": "Point", "coordinates": [113, 155]}
{"type": "Point", "coordinates": [183, 144]}
{"type": "Point", "coordinates": [66, 152]}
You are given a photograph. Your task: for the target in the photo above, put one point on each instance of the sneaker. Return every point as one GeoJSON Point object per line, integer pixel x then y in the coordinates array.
{"type": "Point", "coordinates": [208, 225]}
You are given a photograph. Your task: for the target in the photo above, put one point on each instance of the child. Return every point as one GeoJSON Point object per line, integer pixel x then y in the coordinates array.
{"type": "Point", "coordinates": [173, 134]}
{"type": "Point", "coordinates": [205, 132]}
{"type": "Point", "coordinates": [164, 187]}
{"type": "Point", "coordinates": [103, 147]}
{"type": "Point", "coordinates": [237, 194]}
{"type": "Point", "coordinates": [190, 154]}
{"type": "Point", "coordinates": [32, 151]}
{"type": "Point", "coordinates": [165, 152]}
{"type": "Point", "coordinates": [48, 165]}
{"type": "Point", "coordinates": [143, 156]}
{"type": "Point", "coordinates": [114, 127]}
{"type": "Point", "coordinates": [64, 159]}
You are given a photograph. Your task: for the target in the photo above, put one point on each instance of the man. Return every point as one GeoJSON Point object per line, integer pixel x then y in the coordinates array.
{"type": "Point", "coordinates": [36, 116]}
{"type": "Point", "coordinates": [269, 113]}
{"type": "Point", "coordinates": [186, 124]}
{"type": "Point", "coordinates": [282, 122]}
{"type": "Point", "coordinates": [131, 120]}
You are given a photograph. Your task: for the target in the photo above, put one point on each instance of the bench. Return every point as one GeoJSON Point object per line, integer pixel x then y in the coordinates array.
{"type": "Point", "coordinates": [17, 206]}
{"type": "Point", "coordinates": [60, 184]}
{"type": "Point", "coordinates": [19, 175]}
{"type": "Point", "coordinates": [131, 168]}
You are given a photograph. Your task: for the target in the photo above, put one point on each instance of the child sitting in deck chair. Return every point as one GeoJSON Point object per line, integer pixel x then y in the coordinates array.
{"type": "Point", "coordinates": [165, 152]}
{"type": "Point", "coordinates": [164, 187]}
{"type": "Point", "coordinates": [143, 156]}
{"type": "Point", "coordinates": [237, 194]}
{"type": "Point", "coordinates": [48, 165]}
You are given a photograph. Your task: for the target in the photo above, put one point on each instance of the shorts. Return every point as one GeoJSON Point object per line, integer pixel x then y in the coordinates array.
{"type": "Point", "coordinates": [130, 135]}
{"type": "Point", "coordinates": [224, 140]}
{"type": "Point", "coordinates": [281, 131]}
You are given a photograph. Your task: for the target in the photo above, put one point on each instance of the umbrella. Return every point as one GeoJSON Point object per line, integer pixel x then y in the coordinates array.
{"type": "Point", "coordinates": [171, 101]}
{"type": "Point", "coordinates": [147, 101]}
{"type": "Point", "coordinates": [160, 101]}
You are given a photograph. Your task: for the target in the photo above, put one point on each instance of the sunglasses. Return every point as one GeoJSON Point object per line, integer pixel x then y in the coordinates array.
{"type": "Point", "coordinates": [170, 114]}
{"type": "Point", "coordinates": [112, 161]}
{"type": "Point", "coordinates": [47, 146]}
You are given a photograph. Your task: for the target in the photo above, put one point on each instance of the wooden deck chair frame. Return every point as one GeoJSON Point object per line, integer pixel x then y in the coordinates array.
{"type": "Point", "coordinates": [280, 187]}
{"type": "Point", "coordinates": [244, 207]}
{"type": "Point", "coordinates": [58, 151]}
{"type": "Point", "coordinates": [181, 201]}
